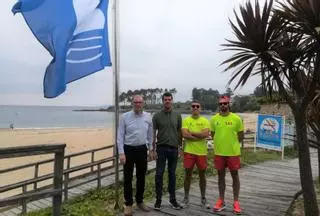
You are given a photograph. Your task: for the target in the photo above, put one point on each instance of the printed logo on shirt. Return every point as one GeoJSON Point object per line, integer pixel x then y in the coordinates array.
{"type": "Point", "coordinates": [228, 122]}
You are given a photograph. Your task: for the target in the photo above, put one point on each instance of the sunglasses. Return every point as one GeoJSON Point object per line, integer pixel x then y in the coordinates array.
{"type": "Point", "coordinates": [195, 106]}
{"type": "Point", "coordinates": [223, 104]}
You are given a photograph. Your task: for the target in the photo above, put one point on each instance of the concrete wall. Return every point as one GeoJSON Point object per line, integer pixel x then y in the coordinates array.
{"type": "Point", "coordinates": [277, 109]}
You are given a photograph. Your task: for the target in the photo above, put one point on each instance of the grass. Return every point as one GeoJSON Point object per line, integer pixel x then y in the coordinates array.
{"type": "Point", "coordinates": [100, 202]}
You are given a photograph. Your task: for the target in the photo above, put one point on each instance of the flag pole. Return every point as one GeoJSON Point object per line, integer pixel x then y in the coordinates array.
{"type": "Point", "coordinates": [116, 97]}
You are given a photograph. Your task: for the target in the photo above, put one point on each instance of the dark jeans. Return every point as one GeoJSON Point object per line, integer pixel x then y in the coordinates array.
{"type": "Point", "coordinates": [135, 155]}
{"type": "Point", "coordinates": [171, 154]}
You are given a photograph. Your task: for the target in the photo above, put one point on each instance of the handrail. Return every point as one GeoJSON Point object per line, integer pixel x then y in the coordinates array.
{"type": "Point", "coordinates": [36, 195]}
{"type": "Point", "coordinates": [51, 160]}
{"type": "Point", "coordinates": [48, 176]}
{"type": "Point", "coordinates": [55, 192]}
{"type": "Point", "coordinates": [11, 152]}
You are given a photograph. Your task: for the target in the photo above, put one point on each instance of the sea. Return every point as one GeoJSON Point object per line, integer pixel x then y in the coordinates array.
{"type": "Point", "coordinates": [37, 117]}
{"type": "Point", "coordinates": [53, 117]}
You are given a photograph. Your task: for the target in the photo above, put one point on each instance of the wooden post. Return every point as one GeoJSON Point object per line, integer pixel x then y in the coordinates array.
{"type": "Point", "coordinates": [319, 164]}
{"type": "Point", "coordinates": [57, 182]}
{"type": "Point", "coordinates": [36, 174]}
{"type": "Point", "coordinates": [92, 160]}
{"type": "Point", "coordinates": [24, 201]}
{"type": "Point", "coordinates": [66, 180]}
{"type": "Point", "coordinates": [99, 176]}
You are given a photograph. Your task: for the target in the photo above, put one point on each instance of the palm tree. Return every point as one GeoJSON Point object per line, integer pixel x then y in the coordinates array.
{"type": "Point", "coordinates": [173, 91]}
{"type": "Point", "coordinates": [130, 96]}
{"type": "Point", "coordinates": [313, 119]}
{"type": "Point", "coordinates": [283, 47]}
{"type": "Point", "coordinates": [122, 98]}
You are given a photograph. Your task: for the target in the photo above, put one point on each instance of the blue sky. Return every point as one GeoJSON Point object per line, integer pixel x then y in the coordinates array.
{"type": "Point", "coordinates": [163, 43]}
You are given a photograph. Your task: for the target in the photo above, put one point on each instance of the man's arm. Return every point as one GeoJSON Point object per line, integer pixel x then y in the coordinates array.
{"type": "Point", "coordinates": [150, 137]}
{"type": "Point", "coordinates": [240, 136]}
{"type": "Point", "coordinates": [186, 134]}
{"type": "Point", "coordinates": [180, 131]}
{"type": "Point", "coordinates": [201, 135]}
{"type": "Point", "coordinates": [154, 139]}
{"type": "Point", "coordinates": [154, 123]}
{"type": "Point", "coordinates": [120, 136]}
{"type": "Point", "coordinates": [120, 140]}
{"type": "Point", "coordinates": [212, 135]}
{"type": "Point", "coordinates": [240, 130]}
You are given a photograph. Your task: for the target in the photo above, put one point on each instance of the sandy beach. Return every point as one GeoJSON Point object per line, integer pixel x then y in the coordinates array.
{"type": "Point", "coordinates": [76, 140]}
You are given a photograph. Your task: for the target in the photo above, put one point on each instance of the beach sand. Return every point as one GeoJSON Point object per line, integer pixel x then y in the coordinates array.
{"type": "Point", "coordinates": [249, 121]}
{"type": "Point", "coordinates": [76, 140]}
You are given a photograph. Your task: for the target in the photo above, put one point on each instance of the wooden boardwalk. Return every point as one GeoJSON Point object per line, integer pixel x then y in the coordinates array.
{"type": "Point", "coordinates": [74, 192]}
{"type": "Point", "coordinates": [266, 189]}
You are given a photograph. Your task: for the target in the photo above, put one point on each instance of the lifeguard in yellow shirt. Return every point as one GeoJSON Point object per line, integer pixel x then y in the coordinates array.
{"type": "Point", "coordinates": [227, 133]}
{"type": "Point", "coordinates": [195, 130]}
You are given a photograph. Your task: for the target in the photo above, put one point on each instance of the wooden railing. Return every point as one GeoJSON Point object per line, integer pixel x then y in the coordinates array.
{"type": "Point", "coordinates": [67, 180]}
{"type": "Point", "coordinates": [55, 192]}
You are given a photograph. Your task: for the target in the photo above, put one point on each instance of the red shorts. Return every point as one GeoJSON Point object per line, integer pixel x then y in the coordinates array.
{"type": "Point", "coordinates": [232, 162]}
{"type": "Point", "coordinates": [190, 159]}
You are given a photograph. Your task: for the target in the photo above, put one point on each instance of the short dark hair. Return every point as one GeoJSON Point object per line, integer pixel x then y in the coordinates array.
{"type": "Point", "coordinates": [196, 101]}
{"type": "Point", "coordinates": [167, 94]}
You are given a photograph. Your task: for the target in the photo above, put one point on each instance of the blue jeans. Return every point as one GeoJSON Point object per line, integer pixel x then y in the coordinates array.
{"type": "Point", "coordinates": [164, 154]}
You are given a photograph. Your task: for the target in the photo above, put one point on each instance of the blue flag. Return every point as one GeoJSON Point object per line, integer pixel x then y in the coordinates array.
{"type": "Point", "coordinates": [75, 34]}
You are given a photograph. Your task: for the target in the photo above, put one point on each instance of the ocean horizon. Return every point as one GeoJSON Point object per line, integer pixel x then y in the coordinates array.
{"type": "Point", "coordinates": [57, 117]}
{"type": "Point", "coordinates": [53, 117]}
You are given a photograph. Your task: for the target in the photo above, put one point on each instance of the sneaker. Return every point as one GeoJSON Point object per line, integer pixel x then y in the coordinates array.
{"type": "Point", "coordinates": [175, 205]}
{"type": "Point", "coordinates": [219, 206]}
{"type": "Point", "coordinates": [204, 203]}
{"type": "Point", "coordinates": [236, 208]}
{"type": "Point", "coordinates": [185, 202]}
{"type": "Point", "coordinates": [143, 207]}
{"type": "Point", "coordinates": [157, 205]}
{"type": "Point", "coordinates": [128, 211]}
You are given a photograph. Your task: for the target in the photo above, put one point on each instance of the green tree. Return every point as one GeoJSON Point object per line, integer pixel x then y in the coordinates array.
{"type": "Point", "coordinates": [208, 98]}
{"type": "Point", "coordinates": [283, 46]}
{"type": "Point", "coordinates": [259, 92]}
{"type": "Point", "coordinates": [196, 95]}
{"type": "Point", "coordinates": [229, 92]}
{"type": "Point", "coordinates": [122, 98]}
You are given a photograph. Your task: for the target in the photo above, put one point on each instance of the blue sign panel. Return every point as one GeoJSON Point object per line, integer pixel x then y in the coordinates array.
{"type": "Point", "coordinates": [269, 132]}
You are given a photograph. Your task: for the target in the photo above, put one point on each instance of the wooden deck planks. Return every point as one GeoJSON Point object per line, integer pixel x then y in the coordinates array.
{"type": "Point", "coordinates": [266, 189]}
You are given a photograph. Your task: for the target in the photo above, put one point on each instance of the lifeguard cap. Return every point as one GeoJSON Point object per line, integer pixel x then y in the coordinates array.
{"type": "Point", "coordinates": [224, 99]}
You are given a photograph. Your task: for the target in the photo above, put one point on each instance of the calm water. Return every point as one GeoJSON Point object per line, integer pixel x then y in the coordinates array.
{"type": "Point", "coordinates": [52, 117]}
{"type": "Point", "coordinates": [55, 117]}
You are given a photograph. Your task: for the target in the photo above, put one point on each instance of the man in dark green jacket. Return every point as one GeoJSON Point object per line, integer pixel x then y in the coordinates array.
{"type": "Point", "coordinates": [167, 139]}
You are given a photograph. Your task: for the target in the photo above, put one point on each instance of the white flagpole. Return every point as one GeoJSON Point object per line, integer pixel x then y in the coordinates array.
{"type": "Point", "coordinates": [116, 95]}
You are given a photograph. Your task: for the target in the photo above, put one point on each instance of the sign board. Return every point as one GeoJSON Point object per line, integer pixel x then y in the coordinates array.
{"type": "Point", "coordinates": [270, 132]}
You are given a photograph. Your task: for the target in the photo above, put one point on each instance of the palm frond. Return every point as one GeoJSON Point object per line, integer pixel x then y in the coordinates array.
{"type": "Point", "coordinates": [251, 44]}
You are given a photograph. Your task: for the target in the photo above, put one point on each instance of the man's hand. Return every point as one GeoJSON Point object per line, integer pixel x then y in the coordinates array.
{"type": "Point", "coordinates": [187, 135]}
{"type": "Point", "coordinates": [152, 155]}
{"type": "Point", "coordinates": [155, 155]}
{"type": "Point", "coordinates": [122, 158]}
